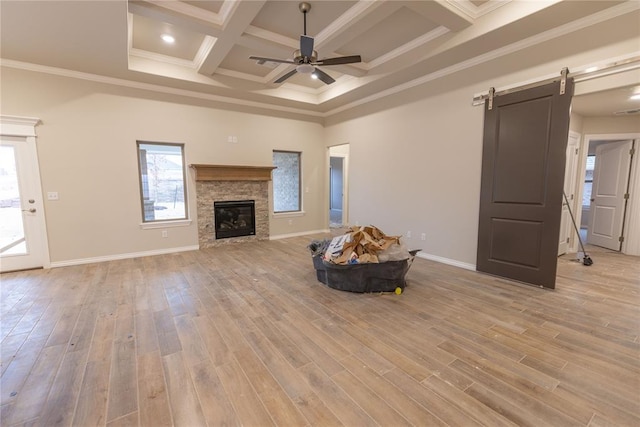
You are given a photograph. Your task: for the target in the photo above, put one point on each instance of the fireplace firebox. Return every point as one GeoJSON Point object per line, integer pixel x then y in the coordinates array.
{"type": "Point", "coordinates": [234, 218]}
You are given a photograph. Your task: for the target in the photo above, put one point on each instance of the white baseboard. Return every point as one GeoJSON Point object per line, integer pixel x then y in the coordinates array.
{"type": "Point", "coordinates": [447, 261]}
{"type": "Point", "coordinates": [302, 233]}
{"type": "Point", "coordinates": [122, 256]}
{"type": "Point", "coordinates": [106, 258]}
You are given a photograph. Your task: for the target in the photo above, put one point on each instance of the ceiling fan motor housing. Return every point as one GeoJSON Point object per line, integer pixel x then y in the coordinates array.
{"type": "Point", "coordinates": [301, 59]}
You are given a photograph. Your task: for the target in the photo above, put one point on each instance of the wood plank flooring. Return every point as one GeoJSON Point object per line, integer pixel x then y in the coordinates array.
{"type": "Point", "coordinates": [245, 335]}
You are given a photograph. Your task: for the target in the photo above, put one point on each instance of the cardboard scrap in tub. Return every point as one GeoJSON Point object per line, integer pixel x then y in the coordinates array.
{"type": "Point", "coordinates": [358, 246]}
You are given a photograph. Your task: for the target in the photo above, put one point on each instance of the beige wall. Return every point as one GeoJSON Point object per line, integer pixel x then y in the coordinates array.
{"type": "Point", "coordinates": [616, 124]}
{"type": "Point", "coordinates": [87, 153]}
{"type": "Point", "coordinates": [416, 168]}
{"type": "Point", "coordinates": [415, 157]}
{"type": "Point", "coordinates": [414, 163]}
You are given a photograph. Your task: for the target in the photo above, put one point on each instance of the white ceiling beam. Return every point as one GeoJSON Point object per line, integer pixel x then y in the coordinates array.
{"type": "Point", "coordinates": [506, 15]}
{"type": "Point", "coordinates": [441, 13]}
{"type": "Point", "coordinates": [267, 43]}
{"type": "Point", "coordinates": [238, 20]}
{"type": "Point", "coordinates": [179, 14]}
{"type": "Point", "coordinates": [186, 9]}
{"type": "Point", "coordinates": [360, 18]}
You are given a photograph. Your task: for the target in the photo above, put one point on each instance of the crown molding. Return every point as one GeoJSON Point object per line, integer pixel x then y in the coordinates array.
{"type": "Point", "coordinates": [409, 46]}
{"type": "Point", "coordinates": [18, 126]}
{"type": "Point", "coordinates": [474, 11]}
{"type": "Point", "coordinates": [152, 87]}
{"type": "Point", "coordinates": [165, 59]}
{"type": "Point", "coordinates": [194, 12]}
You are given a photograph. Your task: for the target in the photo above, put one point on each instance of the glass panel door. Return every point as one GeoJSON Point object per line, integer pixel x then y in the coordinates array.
{"type": "Point", "coordinates": [22, 228]}
{"type": "Point", "coordinates": [12, 235]}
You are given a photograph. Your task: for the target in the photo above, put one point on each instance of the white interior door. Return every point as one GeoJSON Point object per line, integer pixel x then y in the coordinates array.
{"type": "Point", "coordinates": [22, 230]}
{"type": "Point", "coordinates": [570, 171]}
{"type": "Point", "coordinates": [610, 183]}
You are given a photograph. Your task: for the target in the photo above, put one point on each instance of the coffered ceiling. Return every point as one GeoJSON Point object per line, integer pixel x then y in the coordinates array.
{"type": "Point", "coordinates": [399, 42]}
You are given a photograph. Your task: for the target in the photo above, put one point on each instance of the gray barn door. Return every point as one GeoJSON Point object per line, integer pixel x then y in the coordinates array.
{"type": "Point", "coordinates": [523, 162]}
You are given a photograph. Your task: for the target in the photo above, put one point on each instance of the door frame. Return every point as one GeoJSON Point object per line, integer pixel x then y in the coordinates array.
{"type": "Point", "coordinates": [615, 157]}
{"type": "Point", "coordinates": [25, 127]}
{"type": "Point", "coordinates": [631, 244]}
{"type": "Point", "coordinates": [573, 164]}
{"type": "Point", "coordinates": [345, 180]}
{"type": "Point", "coordinates": [332, 184]}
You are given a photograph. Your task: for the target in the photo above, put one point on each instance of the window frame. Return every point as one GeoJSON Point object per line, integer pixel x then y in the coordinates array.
{"type": "Point", "coordinates": [300, 208]}
{"type": "Point", "coordinates": [155, 223]}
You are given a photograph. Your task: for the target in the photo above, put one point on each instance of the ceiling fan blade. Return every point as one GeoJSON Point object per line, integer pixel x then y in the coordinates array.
{"type": "Point", "coordinates": [324, 77]}
{"type": "Point", "coordinates": [286, 76]}
{"type": "Point", "coordinates": [339, 60]}
{"type": "Point", "coordinates": [306, 46]}
{"type": "Point", "coordinates": [262, 60]}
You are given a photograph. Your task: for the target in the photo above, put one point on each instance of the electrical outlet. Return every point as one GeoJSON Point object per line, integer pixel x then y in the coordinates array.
{"type": "Point", "coordinates": [52, 195]}
{"type": "Point", "coordinates": [290, 222]}
{"type": "Point", "coordinates": [164, 233]}
{"type": "Point", "coordinates": [408, 234]}
{"type": "Point", "coordinates": [423, 236]}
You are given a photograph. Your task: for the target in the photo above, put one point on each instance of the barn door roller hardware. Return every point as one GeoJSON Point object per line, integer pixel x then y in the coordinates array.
{"type": "Point", "coordinates": [491, 94]}
{"type": "Point", "coordinates": [563, 80]}
{"type": "Point", "coordinates": [631, 63]}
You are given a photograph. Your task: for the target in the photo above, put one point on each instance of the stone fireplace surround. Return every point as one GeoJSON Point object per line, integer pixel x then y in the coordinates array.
{"type": "Point", "coordinates": [227, 183]}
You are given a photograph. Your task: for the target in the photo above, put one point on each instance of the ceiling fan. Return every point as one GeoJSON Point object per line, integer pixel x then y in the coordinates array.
{"type": "Point", "coordinates": [306, 59]}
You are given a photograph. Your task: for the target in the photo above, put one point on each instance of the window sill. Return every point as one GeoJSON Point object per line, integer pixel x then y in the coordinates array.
{"type": "Point", "coordinates": [165, 224]}
{"type": "Point", "coordinates": [288, 214]}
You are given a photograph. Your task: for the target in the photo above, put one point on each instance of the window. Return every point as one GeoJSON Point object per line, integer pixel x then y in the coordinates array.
{"type": "Point", "coordinates": [588, 181]}
{"type": "Point", "coordinates": [286, 181]}
{"type": "Point", "coordinates": [162, 178]}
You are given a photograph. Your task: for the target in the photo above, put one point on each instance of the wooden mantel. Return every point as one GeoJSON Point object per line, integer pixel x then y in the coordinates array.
{"type": "Point", "coordinates": [232, 173]}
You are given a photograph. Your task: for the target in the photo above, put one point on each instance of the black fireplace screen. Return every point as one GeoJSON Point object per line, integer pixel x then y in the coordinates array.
{"type": "Point", "coordinates": [235, 218]}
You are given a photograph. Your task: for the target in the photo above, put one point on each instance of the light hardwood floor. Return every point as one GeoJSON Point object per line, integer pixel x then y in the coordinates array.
{"type": "Point", "coordinates": [245, 335]}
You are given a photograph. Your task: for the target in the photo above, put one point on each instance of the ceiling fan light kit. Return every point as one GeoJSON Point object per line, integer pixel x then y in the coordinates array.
{"type": "Point", "coordinates": [306, 59]}
{"type": "Point", "coordinates": [305, 68]}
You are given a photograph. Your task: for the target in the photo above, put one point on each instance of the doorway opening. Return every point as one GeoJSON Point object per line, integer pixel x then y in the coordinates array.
{"type": "Point", "coordinates": [24, 239]}
{"type": "Point", "coordinates": [606, 188]}
{"type": "Point", "coordinates": [338, 179]}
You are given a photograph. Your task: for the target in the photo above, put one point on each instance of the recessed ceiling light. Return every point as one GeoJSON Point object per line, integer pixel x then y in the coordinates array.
{"type": "Point", "coordinates": [591, 69]}
{"type": "Point", "coordinates": [635, 97]}
{"type": "Point", "coordinates": [168, 38]}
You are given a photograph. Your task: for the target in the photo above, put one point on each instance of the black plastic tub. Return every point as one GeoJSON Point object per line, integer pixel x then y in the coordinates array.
{"type": "Point", "coordinates": [381, 277]}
